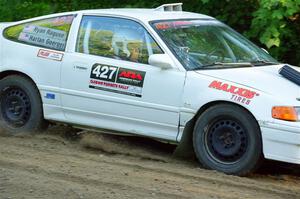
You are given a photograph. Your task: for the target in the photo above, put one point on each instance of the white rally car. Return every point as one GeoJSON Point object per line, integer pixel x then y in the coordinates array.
{"type": "Point", "coordinates": [163, 73]}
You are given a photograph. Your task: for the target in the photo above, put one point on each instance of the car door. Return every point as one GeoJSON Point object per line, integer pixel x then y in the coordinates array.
{"type": "Point", "coordinates": [108, 83]}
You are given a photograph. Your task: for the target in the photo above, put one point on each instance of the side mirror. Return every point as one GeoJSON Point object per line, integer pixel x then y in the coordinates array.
{"type": "Point", "coordinates": [161, 60]}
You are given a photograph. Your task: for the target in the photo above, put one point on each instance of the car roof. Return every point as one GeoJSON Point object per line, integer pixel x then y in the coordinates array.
{"type": "Point", "coordinates": [146, 14]}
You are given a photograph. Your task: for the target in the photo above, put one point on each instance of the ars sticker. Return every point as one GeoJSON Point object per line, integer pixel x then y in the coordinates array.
{"type": "Point", "coordinates": [46, 54]}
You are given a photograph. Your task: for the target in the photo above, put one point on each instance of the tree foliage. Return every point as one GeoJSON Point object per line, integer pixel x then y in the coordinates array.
{"type": "Point", "coordinates": [276, 24]}
{"type": "Point", "coordinates": [272, 24]}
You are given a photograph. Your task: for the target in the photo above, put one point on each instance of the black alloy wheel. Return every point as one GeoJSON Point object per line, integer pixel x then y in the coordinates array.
{"type": "Point", "coordinates": [15, 106]}
{"type": "Point", "coordinates": [227, 138]}
{"type": "Point", "coordinates": [21, 108]}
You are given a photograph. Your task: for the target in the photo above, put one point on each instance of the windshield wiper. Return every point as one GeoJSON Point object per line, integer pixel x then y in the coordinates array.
{"type": "Point", "coordinates": [217, 65]}
{"type": "Point", "coordinates": [263, 63]}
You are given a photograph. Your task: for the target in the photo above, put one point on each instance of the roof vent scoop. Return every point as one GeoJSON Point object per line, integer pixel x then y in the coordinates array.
{"type": "Point", "coordinates": [170, 7]}
{"type": "Point", "coordinates": [290, 74]}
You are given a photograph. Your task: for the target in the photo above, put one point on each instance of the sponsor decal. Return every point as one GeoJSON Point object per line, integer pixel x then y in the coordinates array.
{"type": "Point", "coordinates": [42, 36]}
{"type": "Point", "coordinates": [60, 21]}
{"type": "Point", "coordinates": [46, 54]}
{"type": "Point", "coordinates": [50, 96]}
{"type": "Point", "coordinates": [131, 77]}
{"type": "Point", "coordinates": [239, 94]}
{"type": "Point", "coordinates": [117, 80]}
{"type": "Point", "coordinates": [173, 24]}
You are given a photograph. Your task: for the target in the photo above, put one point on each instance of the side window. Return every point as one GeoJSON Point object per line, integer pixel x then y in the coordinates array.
{"type": "Point", "coordinates": [50, 33]}
{"type": "Point", "coordinates": [116, 38]}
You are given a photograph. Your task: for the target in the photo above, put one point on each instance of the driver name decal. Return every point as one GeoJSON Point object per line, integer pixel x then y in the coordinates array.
{"type": "Point", "coordinates": [239, 94]}
{"type": "Point", "coordinates": [42, 36]}
{"type": "Point", "coordinates": [117, 80]}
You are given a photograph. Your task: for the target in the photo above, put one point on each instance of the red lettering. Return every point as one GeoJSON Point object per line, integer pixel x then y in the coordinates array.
{"type": "Point", "coordinates": [125, 74]}
{"type": "Point", "coordinates": [139, 77]}
{"type": "Point", "coordinates": [242, 92]}
{"type": "Point", "coordinates": [46, 54]}
{"type": "Point", "coordinates": [224, 87]}
{"type": "Point", "coordinates": [131, 75]}
{"type": "Point", "coordinates": [251, 94]}
{"type": "Point", "coordinates": [123, 87]}
{"type": "Point", "coordinates": [216, 85]}
{"type": "Point", "coordinates": [236, 91]}
{"type": "Point", "coordinates": [233, 89]}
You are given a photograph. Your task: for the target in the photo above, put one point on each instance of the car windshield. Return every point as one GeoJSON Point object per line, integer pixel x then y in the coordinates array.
{"type": "Point", "coordinates": [201, 44]}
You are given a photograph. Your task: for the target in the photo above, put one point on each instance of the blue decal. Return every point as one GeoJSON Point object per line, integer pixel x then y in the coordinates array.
{"type": "Point", "coordinates": [50, 96]}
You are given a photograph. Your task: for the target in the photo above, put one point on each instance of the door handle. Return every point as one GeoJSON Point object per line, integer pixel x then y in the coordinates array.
{"type": "Point", "coordinates": [80, 68]}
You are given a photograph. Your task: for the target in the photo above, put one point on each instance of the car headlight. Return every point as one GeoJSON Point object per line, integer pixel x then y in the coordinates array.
{"type": "Point", "coordinates": [287, 113]}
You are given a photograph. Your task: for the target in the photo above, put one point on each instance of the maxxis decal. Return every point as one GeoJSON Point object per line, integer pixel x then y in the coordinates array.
{"type": "Point", "coordinates": [116, 79]}
{"type": "Point", "coordinates": [240, 95]}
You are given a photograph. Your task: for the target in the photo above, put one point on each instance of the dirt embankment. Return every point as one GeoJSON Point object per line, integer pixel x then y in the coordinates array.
{"type": "Point", "coordinates": [64, 163]}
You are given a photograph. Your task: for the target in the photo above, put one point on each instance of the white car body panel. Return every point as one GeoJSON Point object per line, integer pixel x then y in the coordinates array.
{"type": "Point", "coordinates": [171, 98]}
{"type": "Point", "coordinates": [138, 115]}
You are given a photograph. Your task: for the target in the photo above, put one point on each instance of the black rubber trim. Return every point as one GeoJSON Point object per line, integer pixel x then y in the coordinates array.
{"type": "Point", "coordinates": [290, 74]}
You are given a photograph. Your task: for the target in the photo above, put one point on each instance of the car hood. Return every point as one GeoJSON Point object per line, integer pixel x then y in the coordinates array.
{"type": "Point", "coordinates": [262, 78]}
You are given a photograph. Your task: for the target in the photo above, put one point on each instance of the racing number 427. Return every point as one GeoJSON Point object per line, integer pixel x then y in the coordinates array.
{"type": "Point", "coordinates": [104, 72]}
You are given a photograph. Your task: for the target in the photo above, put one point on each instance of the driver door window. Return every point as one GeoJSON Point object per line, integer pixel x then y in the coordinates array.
{"type": "Point", "coordinates": [116, 38]}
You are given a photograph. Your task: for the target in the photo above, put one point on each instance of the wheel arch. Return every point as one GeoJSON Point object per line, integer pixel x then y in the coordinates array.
{"type": "Point", "coordinates": [7, 73]}
{"type": "Point", "coordinates": [214, 103]}
{"type": "Point", "coordinates": [185, 146]}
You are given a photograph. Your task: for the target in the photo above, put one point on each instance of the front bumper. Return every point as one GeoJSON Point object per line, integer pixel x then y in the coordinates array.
{"type": "Point", "coordinates": [281, 141]}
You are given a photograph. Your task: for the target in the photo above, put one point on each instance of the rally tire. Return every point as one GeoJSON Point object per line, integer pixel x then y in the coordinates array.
{"type": "Point", "coordinates": [20, 106]}
{"type": "Point", "coordinates": [227, 138]}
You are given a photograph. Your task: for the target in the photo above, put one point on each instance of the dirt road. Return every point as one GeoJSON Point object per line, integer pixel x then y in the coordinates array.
{"type": "Point", "coordinates": [55, 165]}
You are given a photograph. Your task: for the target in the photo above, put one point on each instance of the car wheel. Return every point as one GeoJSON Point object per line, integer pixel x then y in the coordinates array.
{"type": "Point", "coordinates": [227, 138]}
{"type": "Point", "coordinates": [20, 106]}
